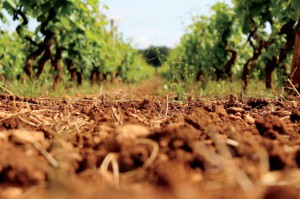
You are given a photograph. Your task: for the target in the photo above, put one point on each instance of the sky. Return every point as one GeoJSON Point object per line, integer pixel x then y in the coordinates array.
{"type": "Point", "coordinates": [150, 22]}
{"type": "Point", "coordinates": [155, 22]}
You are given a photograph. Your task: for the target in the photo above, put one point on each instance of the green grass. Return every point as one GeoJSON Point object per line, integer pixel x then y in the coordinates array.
{"type": "Point", "coordinates": [43, 87]}
{"type": "Point", "coordinates": [35, 88]}
{"type": "Point", "coordinates": [208, 90]}
{"type": "Point", "coordinates": [222, 89]}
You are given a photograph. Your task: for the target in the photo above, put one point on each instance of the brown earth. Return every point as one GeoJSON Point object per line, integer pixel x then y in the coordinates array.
{"type": "Point", "coordinates": [109, 147]}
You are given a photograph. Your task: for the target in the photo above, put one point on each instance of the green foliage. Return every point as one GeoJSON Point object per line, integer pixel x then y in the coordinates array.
{"type": "Point", "coordinates": [257, 31]}
{"type": "Point", "coordinates": [296, 8]}
{"type": "Point", "coordinates": [11, 55]}
{"type": "Point", "coordinates": [155, 56]}
{"type": "Point", "coordinates": [180, 76]}
{"type": "Point", "coordinates": [139, 70]}
{"type": "Point", "coordinates": [74, 27]}
{"type": "Point", "coordinates": [204, 48]}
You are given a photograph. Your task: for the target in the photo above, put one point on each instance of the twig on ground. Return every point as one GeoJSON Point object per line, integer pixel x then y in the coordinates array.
{"type": "Point", "coordinates": [27, 122]}
{"type": "Point", "coordinates": [9, 115]}
{"type": "Point", "coordinates": [111, 158]}
{"type": "Point", "coordinates": [232, 142]}
{"type": "Point", "coordinates": [294, 88]}
{"type": "Point", "coordinates": [47, 155]}
{"type": "Point", "coordinates": [220, 144]}
{"type": "Point", "coordinates": [140, 119]}
{"type": "Point", "coordinates": [228, 165]}
{"type": "Point", "coordinates": [116, 116]}
{"type": "Point", "coordinates": [281, 96]}
{"type": "Point", "coordinates": [263, 160]}
{"type": "Point", "coordinates": [9, 92]}
{"type": "Point", "coordinates": [150, 160]}
{"type": "Point", "coordinates": [154, 153]}
{"type": "Point", "coordinates": [37, 120]}
{"type": "Point", "coordinates": [12, 115]}
{"type": "Point", "coordinates": [283, 118]}
{"type": "Point", "coordinates": [211, 157]}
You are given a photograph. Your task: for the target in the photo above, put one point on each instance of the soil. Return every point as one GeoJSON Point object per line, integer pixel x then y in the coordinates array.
{"type": "Point", "coordinates": [110, 146]}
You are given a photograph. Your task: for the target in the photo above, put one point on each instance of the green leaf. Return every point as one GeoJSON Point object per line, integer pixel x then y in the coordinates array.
{"type": "Point", "coordinates": [296, 7]}
{"type": "Point", "coordinates": [106, 7]}
{"type": "Point", "coordinates": [12, 3]}
{"type": "Point", "coordinates": [2, 17]}
{"type": "Point", "coordinates": [66, 23]}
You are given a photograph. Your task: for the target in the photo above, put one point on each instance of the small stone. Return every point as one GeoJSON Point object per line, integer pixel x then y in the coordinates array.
{"type": "Point", "coordinates": [26, 137]}
{"type": "Point", "coordinates": [234, 110]}
{"type": "Point", "coordinates": [249, 119]}
{"type": "Point", "coordinates": [163, 157]}
{"type": "Point", "coordinates": [239, 114]}
{"type": "Point", "coordinates": [234, 117]}
{"type": "Point", "coordinates": [281, 113]}
{"type": "Point", "coordinates": [233, 99]}
{"type": "Point", "coordinates": [294, 104]}
{"type": "Point", "coordinates": [197, 177]}
{"type": "Point", "coordinates": [220, 110]}
{"type": "Point", "coordinates": [163, 143]}
{"type": "Point", "coordinates": [12, 192]}
{"type": "Point", "coordinates": [178, 143]}
{"type": "Point", "coordinates": [3, 136]}
{"type": "Point", "coordinates": [131, 131]}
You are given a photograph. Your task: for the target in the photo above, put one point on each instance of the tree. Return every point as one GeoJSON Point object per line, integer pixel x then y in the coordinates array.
{"type": "Point", "coordinates": [71, 34]}
{"type": "Point", "coordinates": [156, 56]}
{"type": "Point", "coordinates": [295, 71]}
{"type": "Point", "coordinates": [54, 18]}
{"type": "Point", "coordinates": [281, 17]}
{"type": "Point", "coordinates": [11, 55]}
{"type": "Point", "coordinates": [211, 45]}
{"type": "Point", "coordinates": [253, 17]}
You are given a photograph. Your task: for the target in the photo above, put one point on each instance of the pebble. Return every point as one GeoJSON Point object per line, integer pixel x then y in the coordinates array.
{"type": "Point", "coordinates": [131, 131]}
{"type": "Point", "coordinates": [26, 137]}
{"type": "Point", "coordinates": [249, 119]}
{"type": "Point", "coordinates": [234, 110]}
{"type": "Point", "coordinates": [281, 113]}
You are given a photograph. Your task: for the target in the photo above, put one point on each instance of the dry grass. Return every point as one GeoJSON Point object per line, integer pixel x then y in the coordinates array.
{"type": "Point", "coordinates": [53, 162]}
{"type": "Point", "coordinates": [150, 160]}
{"type": "Point", "coordinates": [228, 163]}
{"type": "Point", "coordinates": [110, 159]}
{"type": "Point", "coordinates": [294, 88]}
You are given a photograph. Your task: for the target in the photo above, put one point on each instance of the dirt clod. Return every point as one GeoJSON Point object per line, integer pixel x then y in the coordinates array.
{"type": "Point", "coordinates": [270, 126]}
{"type": "Point", "coordinates": [281, 192]}
{"type": "Point", "coordinates": [147, 148]}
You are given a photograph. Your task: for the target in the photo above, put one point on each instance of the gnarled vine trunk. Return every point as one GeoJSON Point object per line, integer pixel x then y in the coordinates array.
{"type": "Point", "coordinates": [56, 63]}
{"type": "Point", "coordinates": [43, 48]}
{"type": "Point", "coordinates": [270, 67]}
{"type": "Point", "coordinates": [95, 75]}
{"type": "Point", "coordinates": [288, 30]}
{"type": "Point", "coordinates": [200, 77]}
{"type": "Point", "coordinates": [28, 69]}
{"type": "Point", "coordinates": [230, 63]}
{"type": "Point", "coordinates": [251, 63]}
{"type": "Point", "coordinates": [76, 76]}
{"type": "Point", "coordinates": [295, 71]}
{"type": "Point", "coordinates": [112, 76]}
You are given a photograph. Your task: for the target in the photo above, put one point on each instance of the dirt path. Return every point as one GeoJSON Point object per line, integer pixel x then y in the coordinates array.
{"type": "Point", "coordinates": [127, 145]}
{"type": "Point", "coordinates": [123, 92]}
